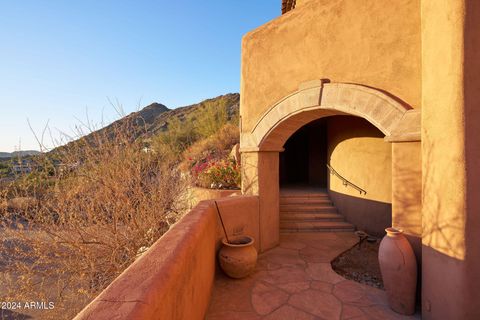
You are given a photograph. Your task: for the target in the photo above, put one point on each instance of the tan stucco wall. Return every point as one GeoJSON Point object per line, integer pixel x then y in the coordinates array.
{"type": "Point", "coordinates": [343, 40]}
{"type": "Point", "coordinates": [407, 192]}
{"type": "Point", "coordinates": [300, 2]}
{"type": "Point", "coordinates": [357, 151]}
{"type": "Point", "coordinates": [451, 159]}
{"type": "Point", "coordinates": [240, 217]}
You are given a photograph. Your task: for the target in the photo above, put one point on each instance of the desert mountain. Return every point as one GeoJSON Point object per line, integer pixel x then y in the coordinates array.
{"type": "Point", "coordinates": [156, 118]}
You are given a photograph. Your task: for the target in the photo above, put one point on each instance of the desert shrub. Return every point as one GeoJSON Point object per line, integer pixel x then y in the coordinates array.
{"type": "Point", "coordinates": [214, 119]}
{"type": "Point", "coordinates": [208, 160]}
{"type": "Point", "coordinates": [180, 135]}
{"type": "Point", "coordinates": [105, 203]}
{"type": "Point", "coordinates": [217, 174]}
{"type": "Point", "coordinates": [218, 145]}
{"type": "Point", "coordinates": [211, 119]}
{"type": "Point", "coordinates": [5, 169]}
{"type": "Point", "coordinates": [34, 184]}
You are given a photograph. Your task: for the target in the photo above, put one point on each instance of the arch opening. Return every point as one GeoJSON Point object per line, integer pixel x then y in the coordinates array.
{"type": "Point", "coordinates": [356, 150]}
{"type": "Point", "coordinates": [303, 161]}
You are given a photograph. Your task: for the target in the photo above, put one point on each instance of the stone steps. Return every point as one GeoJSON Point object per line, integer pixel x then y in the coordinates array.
{"type": "Point", "coordinates": [310, 212]}
{"type": "Point", "coordinates": [307, 208]}
{"type": "Point", "coordinates": [311, 217]}
{"type": "Point", "coordinates": [299, 200]}
{"type": "Point", "coordinates": [306, 195]}
{"type": "Point", "coordinates": [316, 226]}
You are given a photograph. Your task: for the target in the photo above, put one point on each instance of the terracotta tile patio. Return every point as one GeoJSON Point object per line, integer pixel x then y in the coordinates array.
{"type": "Point", "coordinates": [295, 281]}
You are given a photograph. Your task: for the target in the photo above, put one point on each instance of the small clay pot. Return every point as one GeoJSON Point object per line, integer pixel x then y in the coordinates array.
{"type": "Point", "coordinates": [399, 271]}
{"type": "Point", "coordinates": [238, 257]}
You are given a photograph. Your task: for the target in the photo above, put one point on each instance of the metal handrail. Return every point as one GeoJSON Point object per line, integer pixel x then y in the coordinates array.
{"type": "Point", "coordinates": [345, 181]}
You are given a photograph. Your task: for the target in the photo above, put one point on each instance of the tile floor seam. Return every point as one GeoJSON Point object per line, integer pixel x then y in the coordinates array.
{"type": "Point", "coordinates": [306, 311]}
{"type": "Point", "coordinates": [273, 285]}
{"type": "Point", "coordinates": [359, 308]}
{"type": "Point", "coordinates": [341, 310]}
{"type": "Point", "coordinates": [265, 315]}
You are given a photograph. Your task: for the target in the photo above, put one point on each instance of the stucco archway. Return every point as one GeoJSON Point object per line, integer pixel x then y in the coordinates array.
{"type": "Point", "coordinates": [313, 100]}
{"type": "Point", "coordinates": [317, 99]}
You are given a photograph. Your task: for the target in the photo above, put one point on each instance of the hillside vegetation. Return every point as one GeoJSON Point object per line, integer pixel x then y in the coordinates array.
{"type": "Point", "coordinates": [177, 127]}
{"type": "Point", "coordinates": [22, 153]}
{"type": "Point", "coordinates": [90, 208]}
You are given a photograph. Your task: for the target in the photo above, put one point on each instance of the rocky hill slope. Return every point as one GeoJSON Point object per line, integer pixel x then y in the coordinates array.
{"type": "Point", "coordinates": [157, 118]}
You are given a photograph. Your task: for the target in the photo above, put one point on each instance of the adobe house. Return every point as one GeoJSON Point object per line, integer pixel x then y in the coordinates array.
{"type": "Point", "coordinates": [378, 104]}
{"type": "Point", "coordinates": [372, 104]}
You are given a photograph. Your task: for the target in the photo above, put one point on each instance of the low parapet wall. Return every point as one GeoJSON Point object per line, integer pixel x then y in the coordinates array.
{"type": "Point", "coordinates": [174, 278]}
{"type": "Point", "coordinates": [201, 194]}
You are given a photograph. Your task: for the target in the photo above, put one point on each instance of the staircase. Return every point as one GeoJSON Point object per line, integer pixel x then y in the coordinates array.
{"type": "Point", "coordinates": [310, 211]}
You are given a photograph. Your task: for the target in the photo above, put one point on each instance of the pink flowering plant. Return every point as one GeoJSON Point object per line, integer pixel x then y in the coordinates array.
{"type": "Point", "coordinates": [216, 173]}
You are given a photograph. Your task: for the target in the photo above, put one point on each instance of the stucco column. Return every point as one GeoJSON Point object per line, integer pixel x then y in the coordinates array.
{"type": "Point", "coordinates": [260, 177]}
{"type": "Point", "coordinates": [451, 159]}
{"type": "Point", "coordinates": [407, 196]}
{"type": "Point", "coordinates": [407, 192]}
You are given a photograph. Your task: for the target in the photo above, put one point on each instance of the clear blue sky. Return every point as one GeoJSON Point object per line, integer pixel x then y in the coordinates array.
{"type": "Point", "coordinates": [59, 59]}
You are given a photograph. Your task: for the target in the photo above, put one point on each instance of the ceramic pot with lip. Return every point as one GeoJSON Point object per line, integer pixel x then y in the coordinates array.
{"type": "Point", "coordinates": [238, 257]}
{"type": "Point", "coordinates": [399, 271]}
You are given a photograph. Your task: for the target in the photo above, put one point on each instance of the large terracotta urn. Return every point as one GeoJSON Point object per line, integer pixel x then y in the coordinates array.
{"type": "Point", "coordinates": [399, 271]}
{"type": "Point", "coordinates": [238, 256]}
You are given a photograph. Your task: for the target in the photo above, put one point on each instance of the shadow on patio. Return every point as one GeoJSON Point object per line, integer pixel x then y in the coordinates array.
{"type": "Point", "coordinates": [295, 281]}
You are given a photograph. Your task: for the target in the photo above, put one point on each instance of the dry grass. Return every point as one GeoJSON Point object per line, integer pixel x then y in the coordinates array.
{"type": "Point", "coordinates": [91, 217]}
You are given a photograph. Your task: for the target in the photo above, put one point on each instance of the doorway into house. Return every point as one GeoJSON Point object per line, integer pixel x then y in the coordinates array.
{"type": "Point", "coordinates": [303, 163]}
